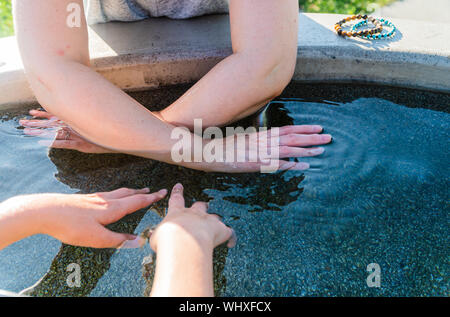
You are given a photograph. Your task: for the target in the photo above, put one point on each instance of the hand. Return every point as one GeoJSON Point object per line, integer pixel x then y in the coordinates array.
{"type": "Point", "coordinates": [80, 219]}
{"type": "Point", "coordinates": [58, 134]}
{"type": "Point", "coordinates": [268, 148]}
{"type": "Point", "coordinates": [206, 229]}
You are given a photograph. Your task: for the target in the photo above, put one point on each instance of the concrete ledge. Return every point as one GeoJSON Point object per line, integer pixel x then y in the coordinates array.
{"type": "Point", "coordinates": [160, 52]}
{"type": "Point", "coordinates": [417, 57]}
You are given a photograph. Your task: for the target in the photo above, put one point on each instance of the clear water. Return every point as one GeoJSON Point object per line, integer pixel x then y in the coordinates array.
{"type": "Point", "coordinates": [379, 194]}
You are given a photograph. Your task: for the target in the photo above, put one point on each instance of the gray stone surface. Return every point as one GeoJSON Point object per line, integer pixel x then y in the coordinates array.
{"type": "Point", "coordinates": [423, 10]}
{"type": "Point", "coordinates": [158, 52]}
{"type": "Point", "coordinates": [418, 56]}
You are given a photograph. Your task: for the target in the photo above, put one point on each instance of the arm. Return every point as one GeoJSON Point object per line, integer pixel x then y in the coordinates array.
{"type": "Point", "coordinates": [73, 219]}
{"type": "Point", "coordinates": [184, 267]}
{"type": "Point", "coordinates": [264, 38]}
{"type": "Point", "coordinates": [16, 222]}
{"type": "Point", "coordinates": [184, 242]}
{"type": "Point", "coordinates": [56, 61]}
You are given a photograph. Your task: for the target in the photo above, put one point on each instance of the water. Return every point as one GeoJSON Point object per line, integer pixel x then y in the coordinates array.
{"type": "Point", "coordinates": [379, 194]}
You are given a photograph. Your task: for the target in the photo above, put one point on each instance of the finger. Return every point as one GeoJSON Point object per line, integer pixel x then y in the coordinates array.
{"type": "Point", "coordinates": [219, 217]}
{"type": "Point", "coordinates": [110, 239]}
{"type": "Point", "coordinates": [39, 123]}
{"type": "Point", "coordinates": [232, 239]}
{"type": "Point", "coordinates": [41, 114]}
{"type": "Point", "coordinates": [300, 129]}
{"type": "Point", "coordinates": [275, 165]}
{"type": "Point", "coordinates": [133, 243]}
{"type": "Point", "coordinates": [132, 203]}
{"type": "Point", "coordinates": [200, 206]}
{"type": "Point", "coordinates": [61, 133]}
{"type": "Point", "coordinates": [124, 192]}
{"type": "Point", "coordinates": [48, 134]}
{"type": "Point", "coordinates": [60, 144]}
{"type": "Point", "coordinates": [228, 235]}
{"type": "Point", "coordinates": [292, 166]}
{"type": "Point", "coordinates": [119, 208]}
{"type": "Point", "coordinates": [289, 151]}
{"type": "Point", "coordinates": [304, 140]}
{"type": "Point", "coordinates": [176, 199]}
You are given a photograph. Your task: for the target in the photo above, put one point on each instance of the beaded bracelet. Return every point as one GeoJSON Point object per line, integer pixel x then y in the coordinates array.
{"type": "Point", "coordinates": [391, 33]}
{"type": "Point", "coordinates": [377, 29]}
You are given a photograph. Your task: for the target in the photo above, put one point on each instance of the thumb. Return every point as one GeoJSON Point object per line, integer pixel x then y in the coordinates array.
{"type": "Point", "coordinates": [111, 239]}
{"type": "Point", "coordinates": [176, 200]}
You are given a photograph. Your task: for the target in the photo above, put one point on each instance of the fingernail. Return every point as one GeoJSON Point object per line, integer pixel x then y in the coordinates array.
{"type": "Point", "coordinates": [163, 192]}
{"type": "Point", "coordinates": [178, 187]}
{"type": "Point", "coordinates": [136, 243]}
{"type": "Point", "coordinates": [318, 128]}
{"type": "Point", "coordinates": [146, 189]}
{"type": "Point", "coordinates": [301, 166]}
{"type": "Point", "coordinates": [326, 138]}
{"type": "Point", "coordinates": [317, 151]}
{"type": "Point", "coordinates": [233, 239]}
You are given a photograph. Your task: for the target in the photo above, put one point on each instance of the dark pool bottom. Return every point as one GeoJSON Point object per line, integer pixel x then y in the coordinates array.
{"type": "Point", "coordinates": [379, 194]}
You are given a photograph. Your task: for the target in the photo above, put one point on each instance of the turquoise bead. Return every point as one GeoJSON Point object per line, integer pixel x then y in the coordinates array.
{"type": "Point", "coordinates": [376, 36]}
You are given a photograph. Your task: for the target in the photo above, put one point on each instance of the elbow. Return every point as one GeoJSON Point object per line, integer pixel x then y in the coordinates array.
{"type": "Point", "coordinates": [280, 76]}
{"type": "Point", "coordinates": [273, 73]}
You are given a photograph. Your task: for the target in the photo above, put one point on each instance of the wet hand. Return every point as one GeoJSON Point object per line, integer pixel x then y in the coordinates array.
{"type": "Point", "coordinates": [195, 222]}
{"type": "Point", "coordinates": [80, 220]}
{"type": "Point", "coordinates": [57, 134]}
{"type": "Point", "coordinates": [268, 150]}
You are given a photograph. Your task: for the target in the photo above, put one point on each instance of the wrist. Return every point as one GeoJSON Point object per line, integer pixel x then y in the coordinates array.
{"type": "Point", "coordinates": [211, 163]}
{"type": "Point", "coordinates": [33, 212]}
{"type": "Point", "coordinates": [168, 235]}
{"type": "Point", "coordinates": [192, 271]}
{"type": "Point", "coordinates": [20, 216]}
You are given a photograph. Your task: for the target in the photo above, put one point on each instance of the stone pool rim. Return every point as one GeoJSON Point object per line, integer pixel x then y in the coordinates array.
{"type": "Point", "coordinates": [161, 52]}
